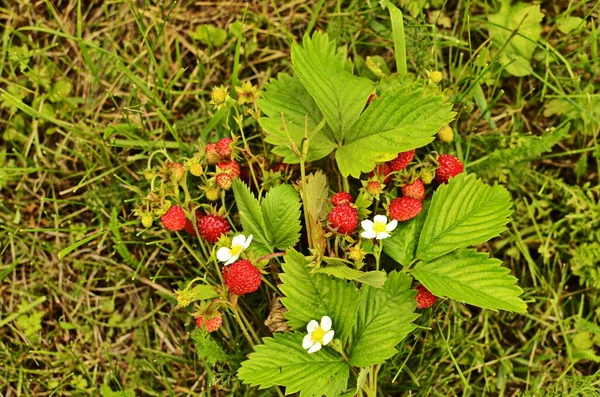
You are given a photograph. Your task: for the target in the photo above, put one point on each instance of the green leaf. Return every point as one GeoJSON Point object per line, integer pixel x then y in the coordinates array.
{"type": "Point", "coordinates": [250, 213]}
{"type": "Point", "coordinates": [209, 35]}
{"type": "Point", "coordinates": [374, 278]}
{"type": "Point", "coordinates": [385, 317]}
{"type": "Point", "coordinates": [339, 95]}
{"type": "Point", "coordinates": [311, 296]}
{"type": "Point", "coordinates": [463, 212]}
{"type": "Point", "coordinates": [403, 118]}
{"type": "Point", "coordinates": [281, 214]}
{"type": "Point", "coordinates": [471, 277]}
{"type": "Point", "coordinates": [568, 24]}
{"type": "Point", "coordinates": [281, 360]}
{"type": "Point", "coordinates": [402, 245]}
{"type": "Point", "coordinates": [287, 96]}
{"type": "Point", "coordinates": [526, 20]}
{"type": "Point", "coordinates": [207, 348]}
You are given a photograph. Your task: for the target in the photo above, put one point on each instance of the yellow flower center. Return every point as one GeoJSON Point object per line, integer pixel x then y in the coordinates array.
{"type": "Point", "coordinates": [236, 249]}
{"type": "Point", "coordinates": [379, 227]}
{"type": "Point", "coordinates": [317, 335]}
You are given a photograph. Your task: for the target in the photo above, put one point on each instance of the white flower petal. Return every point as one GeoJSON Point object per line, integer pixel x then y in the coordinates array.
{"type": "Point", "coordinates": [232, 259]}
{"type": "Point", "coordinates": [382, 235]}
{"type": "Point", "coordinates": [315, 348]}
{"type": "Point", "coordinates": [328, 337]}
{"type": "Point", "coordinates": [224, 254]}
{"type": "Point", "coordinates": [307, 342]}
{"type": "Point", "coordinates": [391, 226]}
{"type": "Point", "coordinates": [367, 224]}
{"type": "Point", "coordinates": [368, 234]}
{"type": "Point", "coordinates": [312, 326]}
{"type": "Point", "coordinates": [380, 219]}
{"type": "Point", "coordinates": [248, 241]}
{"type": "Point", "coordinates": [326, 323]}
{"type": "Point", "coordinates": [240, 240]}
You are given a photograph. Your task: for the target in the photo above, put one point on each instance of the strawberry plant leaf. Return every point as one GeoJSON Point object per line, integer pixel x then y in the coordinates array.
{"type": "Point", "coordinates": [402, 245]}
{"type": "Point", "coordinates": [250, 212]}
{"type": "Point", "coordinates": [281, 360]}
{"type": "Point", "coordinates": [403, 118]}
{"type": "Point", "coordinates": [311, 296]}
{"type": "Point", "coordinates": [207, 348]}
{"type": "Point", "coordinates": [471, 277]}
{"type": "Point", "coordinates": [281, 214]}
{"type": "Point", "coordinates": [374, 278]}
{"type": "Point", "coordinates": [463, 212]}
{"type": "Point", "coordinates": [291, 111]}
{"type": "Point", "coordinates": [340, 95]}
{"type": "Point", "coordinates": [385, 317]}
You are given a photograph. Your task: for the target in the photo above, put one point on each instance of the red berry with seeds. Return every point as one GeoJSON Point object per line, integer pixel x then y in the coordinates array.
{"type": "Point", "coordinates": [242, 277]}
{"type": "Point", "coordinates": [212, 157]}
{"type": "Point", "coordinates": [189, 226]}
{"type": "Point", "coordinates": [343, 218]}
{"type": "Point", "coordinates": [342, 198]}
{"type": "Point", "coordinates": [449, 166]}
{"type": "Point", "coordinates": [174, 219]}
{"type": "Point", "coordinates": [231, 167]}
{"type": "Point", "coordinates": [224, 180]}
{"type": "Point", "coordinates": [404, 208]}
{"type": "Point", "coordinates": [424, 298]}
{"type": "Point", "coordinates": [210, 324]}
{"type": "Point", "coordinates": [224, 148]}
{"type": "Point", "coordinates": [415, 190]}
{"type": "Point", "coordinates": [402, 161]}
{"type": "Point", "coordinates": [212, 227]}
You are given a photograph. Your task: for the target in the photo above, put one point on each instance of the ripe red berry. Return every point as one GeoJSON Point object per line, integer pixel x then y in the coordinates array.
{"type": "Point", "coordinates": [211, 324]}
{"type": "Point", "coordinates": [232, 167]}
{"type": "Point", "coordinates": [382, 170]}
{"type": "Point", "coordinates": [449, 166]}
{"type": "Point", "coordinates": [212, 157]}
{"type": "Point", "coordinates": [212, 227]}
{"type": "Point", "coordinates": [402, 161]}
{"type": "Point", "coordinates": [224, 180]}
{"type": "Point", "coordinates": [424, 298]}
{"type": "Point", "coordinates": [342, 198]}
{"type": "Point", "coordinates": [404, 208]}
{"type": "Point", "coordinates": [343, 218]}
{"type": "Point", "coordinates": [415, 190]}
{"type": "Point", "coordinates": [189, 226]}
{"type": "Point", "coordinates": [174, 219]}
{"type": "Point", "coordinates": [242, 277]}
{"type": "Point", "coordinates": [224, 148]}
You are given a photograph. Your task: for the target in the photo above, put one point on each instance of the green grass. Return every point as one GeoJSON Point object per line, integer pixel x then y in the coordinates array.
{"type": "Point", "coordinates": [86, 293]}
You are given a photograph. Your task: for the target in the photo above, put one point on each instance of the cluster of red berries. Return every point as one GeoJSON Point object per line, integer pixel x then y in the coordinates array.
{"type": "Point", "coordinates": [221, 154]}
{"type": "Point", "coordinates": [210, 227]}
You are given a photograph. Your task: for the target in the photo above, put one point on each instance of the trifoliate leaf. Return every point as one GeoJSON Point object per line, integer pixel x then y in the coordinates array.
{"type": "Point", "coordinates": [282, 361]}
{"type": "Point", "coordinates": [311, 296]}
{"type": "Point", "coordinates": [401, 246]}
{"type": "Point", "coordinates": [281, 214]}
{"type": "Point", "coordinates": [207, 348]}
{"type": "Point", "coordinates": [471, 277]}
{"type": "Point", "coordinates": [250, 213]}
{"type": "Point", "coordinates": [286, 99]}
{"type": "Point", "coordinates": [339, 95]}
{"type": "Point", "coordinates": [385, 317]}
{"type": "Point", "coordinates": [463, 212]}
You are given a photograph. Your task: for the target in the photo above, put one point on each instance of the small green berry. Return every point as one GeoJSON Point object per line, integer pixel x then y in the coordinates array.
{"type": "Point", "coordinates": [445, 134]}
{"type": "Point", "coordinates": [436, 77]}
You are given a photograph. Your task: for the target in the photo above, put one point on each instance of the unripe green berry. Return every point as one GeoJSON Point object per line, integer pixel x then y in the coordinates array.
{"type": "Point", "coordinates": [436, 77]}
{"type": "Point", "coordinates": [445, 134]}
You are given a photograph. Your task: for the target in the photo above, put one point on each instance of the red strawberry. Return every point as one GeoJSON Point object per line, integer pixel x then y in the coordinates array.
{"type": "Point", "coordinates": [212, 227]}
{"type": "Point", "coordinates": [212, 157]}
{"type": "Point", "coordinates": [242, 277]}
{"type": "Point", "coordinates": [424, 298]}
{"type": "Point", "coordinates": [342, 198]}
{"type": "Point", "coordinates": [404, 208]}
{"type": "Point", "coordinates": [189, 226]}
{"type": "Point", "coordinates": [382, 170]}
{"type": "Point", "coordinates": [344, 218]}
{"type": "Point", "coordinates": [224, 180]}
{"type": "Point", "coordinates": [415, 190]}
{"type": "Point", "coordinates": [402, 161]}
{"type": "Point", "coordinates": [449, 166]}
{"type": "Point", "coordinates": [224, 148]}
{"type": "Point", "coordinates": [230, 166]}
{"type": "Point", "coordinates": [174, 219]}
{"type": "Point", "coordinates": [210, 324]}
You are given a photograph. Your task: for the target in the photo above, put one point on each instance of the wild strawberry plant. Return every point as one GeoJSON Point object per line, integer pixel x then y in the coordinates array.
{"type": "Point", "coordinates": [348, 270]}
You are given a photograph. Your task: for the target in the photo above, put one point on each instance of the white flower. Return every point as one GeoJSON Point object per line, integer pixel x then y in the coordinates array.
{"type": "Point", "coordinates": [238, 245]}
{"type": "Point", "coordinates": [378, 228]}
{"type": "Point", "coordinates": [318, 335]}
